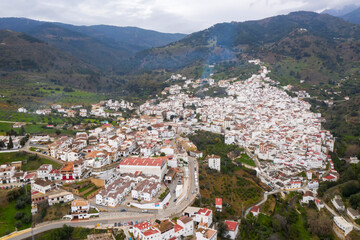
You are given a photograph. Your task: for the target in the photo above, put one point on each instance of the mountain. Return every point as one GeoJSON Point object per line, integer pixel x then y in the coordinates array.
{"type": "Point", "coordinates": [82, 46]}
{"type": "Point", "coordinates": [353, 16]}
{"type": "Point", "coordinates": [27, 60]}
{"type": "Point", "coordinates": [101, 45]}
{"type": "Point", "coordinates": [264, 38]}
{"type": "Point", "coordinates": [132, 36]}
{"type": "Point", "coordinates": [338, 12]}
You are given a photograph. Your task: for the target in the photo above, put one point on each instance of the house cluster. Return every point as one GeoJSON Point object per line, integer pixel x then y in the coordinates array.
{"type": "Point", "coordinates": [195, 222]}
{"type": "Point", "coordinates": [263, 119]}
{"type": "Point", "coordinates": [48, 191]}
{"type": "Point", "coordinates": [139, 185]}
{"type": "Point", "coordinates": [110, 108]}
{"type": "Point", "coordinates": [73, 111]}
{"type": "Point", "coordinates": [12, 176]}
{"type": "Point", "coordinates": [107, 144]}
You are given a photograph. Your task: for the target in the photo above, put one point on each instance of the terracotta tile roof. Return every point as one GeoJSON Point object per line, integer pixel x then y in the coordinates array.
{"type": "Point", "coordinates": [231, 225]}
{"type": "Point", "coordinates": [143, 161]}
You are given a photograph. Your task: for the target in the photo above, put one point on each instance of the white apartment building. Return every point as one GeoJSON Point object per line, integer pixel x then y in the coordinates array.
{"type": "Point", "coordinates": [214, 162]}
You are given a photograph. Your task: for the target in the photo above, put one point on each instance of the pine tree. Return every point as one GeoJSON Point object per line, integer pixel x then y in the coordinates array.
{"type": "Point", "coordinates": [10, 144]}
{"type": "Point", "coordinates": [22, 131]}
{"type": "Point", "coordinates": [2, 144]}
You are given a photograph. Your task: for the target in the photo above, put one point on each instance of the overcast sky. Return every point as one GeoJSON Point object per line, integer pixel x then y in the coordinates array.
{"type": "Point", "coordinates": [183, 16]}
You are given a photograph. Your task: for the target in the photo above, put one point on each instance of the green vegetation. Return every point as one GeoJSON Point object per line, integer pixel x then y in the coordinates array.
{"type": "Point", "coordinates": [288, 221]}
{"type": "Point", "coordinates": [5, 127]}
{"type": "Point", "coordinates": [86, 187]}
{"type": "Point", "coordinates": [29, 161]}
{"type": "Point", "coordinates": [211, 143]}
{"type": "Point", "coordinates": [238, 187]}
{"type": "Point", "coordinates": [15, 210]}
{"type": "Point", "coordinates": [90, 192]}
{"type": "Point", "coordinates": [348, 185]}
{"type": "Point", "coordinates": [246, 159]}
{"type": "Point", "coordinates": [49, 213]}
{"type": "Point", "coordinates": [163, 195]}
{"type": "Point", "coordinates": [67, 232]}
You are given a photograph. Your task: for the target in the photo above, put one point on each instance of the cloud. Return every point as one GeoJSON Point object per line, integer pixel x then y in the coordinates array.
{"type": "Point", "coordinates": [162, 15]}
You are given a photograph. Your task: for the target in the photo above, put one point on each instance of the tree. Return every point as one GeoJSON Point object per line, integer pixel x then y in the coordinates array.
{"type": "Point", "coordinates": [10, 144]}
{"type": "Point", "coordinates": [222, 229]}
{"type": "Point", "coordinates": [23, 141]}
{"type": "Point", "coordinates": [58, 132]}
{"type": "Point", "coordinates": [19, 215]}
{"type": "Point", "coordinates": [22, 131]}
{"type": "Point", "coordinates": [2, 144]}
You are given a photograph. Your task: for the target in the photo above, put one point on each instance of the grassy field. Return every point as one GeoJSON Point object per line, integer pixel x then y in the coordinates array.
{"type": "Point", "coordinates": [36, 128]}
{"type": "Point", "coordinates": [246, 159]}
{"type": "Point", "coordinates": [31, 164]}
{"type": "Point", "coordinates": [4, 127]}
{"type": "Point", "coordinates": [7, 213]}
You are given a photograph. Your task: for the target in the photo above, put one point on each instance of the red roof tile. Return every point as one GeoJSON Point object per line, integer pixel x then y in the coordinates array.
{"type": "Point", "coordinates": [231, 225]}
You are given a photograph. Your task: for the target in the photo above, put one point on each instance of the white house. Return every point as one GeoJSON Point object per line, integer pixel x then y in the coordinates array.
{"type": "Point", "coordinates": [338, 203]}
{"type": "Point", "coordinates": [352, 213]}
{"type": "Point", "coordinates": [80, 209]}
{"type": "Point", "coordinates": [43, 171]}
{"type": "Point", "coordinates": [141, 227]}
{"type": "Point", "coordinates": [204, 215]}
{"type": "Point", "coordinates": [206, 234]}
{"type": "Point", "coordinates": [42, 186]}
{"type": "Point", "coordinates": [308, 196]}
{"type": "Point", "coordinates": [22, 110]}
{"type": "Point", "coordinates": [218, 204]}
{"type": "Point", "coordinates": [187, 223]}
{"type": "Point", "coordinates": [319, 204]}
{"type": "Point", "coordinates": [146, 190]}
{"type": "Point", "coordinates": [255, 210]}
{"type": "Point", "coordinates": [60, 197]}
{"type": "Point", "coordinates": [232, 229]}
{"type": "Point", "coordinates": [166, 229]}
{"type": "Point", "coordinates": [214, 162]}
{"type": "Point", "coordinates": [341, 226]}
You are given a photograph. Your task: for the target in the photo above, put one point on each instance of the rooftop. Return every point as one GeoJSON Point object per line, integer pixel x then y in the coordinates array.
{"type": "Point", "coordinates": [143, 161]}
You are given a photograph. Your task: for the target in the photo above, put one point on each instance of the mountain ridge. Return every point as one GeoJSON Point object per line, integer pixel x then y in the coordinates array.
{"type": "Point", "coordinates": [100, 45]}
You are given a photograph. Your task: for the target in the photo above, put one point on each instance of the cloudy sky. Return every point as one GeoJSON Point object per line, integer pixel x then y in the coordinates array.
{"type": "Point", "coordinates": [183, 16]}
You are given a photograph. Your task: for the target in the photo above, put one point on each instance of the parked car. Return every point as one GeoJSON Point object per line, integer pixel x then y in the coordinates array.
{"type": "Point", "coordinates": [123, 210]}
{"type": "Point", "coordinates": [144, 211]}
{"type": "Point", "coordinates": [175, 199]}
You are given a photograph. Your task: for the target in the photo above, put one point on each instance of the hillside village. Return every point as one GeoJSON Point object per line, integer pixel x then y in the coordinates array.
{"type": "Point", "coordinates": [148, 163]}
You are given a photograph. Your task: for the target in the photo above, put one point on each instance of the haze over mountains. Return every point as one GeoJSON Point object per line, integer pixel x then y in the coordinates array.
{"type": "Point", "coordinates": [350, 13]}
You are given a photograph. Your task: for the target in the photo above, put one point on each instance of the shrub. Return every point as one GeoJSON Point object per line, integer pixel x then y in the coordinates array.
{"type": "Point", "coordinates": [19, 215]}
